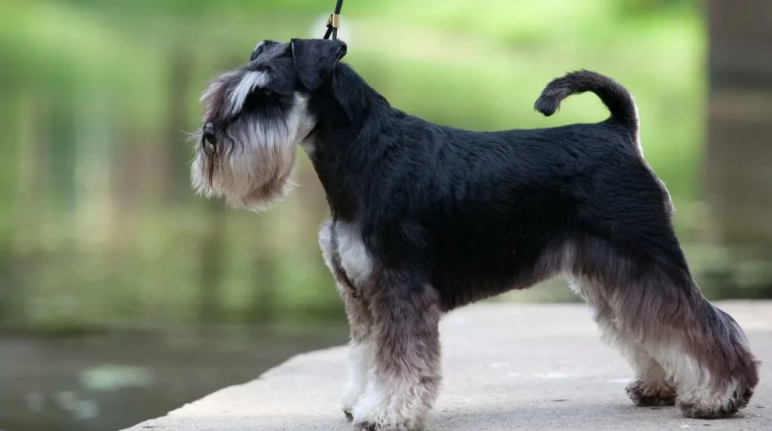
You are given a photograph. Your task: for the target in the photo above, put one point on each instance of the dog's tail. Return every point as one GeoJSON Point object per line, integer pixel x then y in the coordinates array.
{"type": "Point", "coordinates": [615, 96]}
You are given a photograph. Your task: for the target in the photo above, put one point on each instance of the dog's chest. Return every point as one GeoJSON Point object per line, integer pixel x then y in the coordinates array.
{"type": "Point", "coordinates": [345, 253]}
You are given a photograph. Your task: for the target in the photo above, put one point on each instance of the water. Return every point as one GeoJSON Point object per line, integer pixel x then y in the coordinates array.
{"type": "Point", "coordinates": [108, 383]}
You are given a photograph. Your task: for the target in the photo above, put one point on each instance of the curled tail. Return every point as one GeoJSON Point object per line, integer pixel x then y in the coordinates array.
{"type": "Point", "coordinates": [615, 96]}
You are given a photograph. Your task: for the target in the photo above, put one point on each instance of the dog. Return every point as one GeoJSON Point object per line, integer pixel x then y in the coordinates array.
{"type": "Point", "coordinates": [427, 218]}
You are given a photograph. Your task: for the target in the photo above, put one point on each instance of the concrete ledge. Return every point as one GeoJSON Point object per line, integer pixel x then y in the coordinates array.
{"type": "Point", "coordinates": [506, 367]}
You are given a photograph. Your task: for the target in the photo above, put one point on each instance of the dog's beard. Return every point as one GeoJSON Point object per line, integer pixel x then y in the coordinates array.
{"type": "Point", "coordinates": [253, 160]}
{"type": "Point", "coordinates": [251, 166]}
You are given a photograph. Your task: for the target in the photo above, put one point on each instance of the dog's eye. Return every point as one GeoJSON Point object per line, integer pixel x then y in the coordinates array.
{"type": "Point", "coordinates": [267, 92]}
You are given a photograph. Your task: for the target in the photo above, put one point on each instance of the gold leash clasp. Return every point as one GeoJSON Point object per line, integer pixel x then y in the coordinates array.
{"type": "Point", "coordinates": [333, 20]}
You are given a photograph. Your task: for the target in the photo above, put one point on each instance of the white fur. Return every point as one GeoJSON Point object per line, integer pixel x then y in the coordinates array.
{"type": "Point", "coordinates": [659, 359]}
{"type": "Point", "coordinates": [646, 369]}
{"type": "Point", "coordinates": [360, 363]}
{"type": "Point", "coordinates": [392, 403]}
{"type": "Point", "coordinates": [680, 368]}
{"type": "Point", "coordinates": [249, 81]}
{"type": "Point", "coordinates": [354, 258]}
{"type": "Point", "coordinates": [695, 383]}
{"type": "Point", "coordinates": [707, 397]}
{"type": "Point", "coordinates": [261, 154]}
{"type": "Point", "coordinates": [325, 243]}
{"type": "Point", "coordinates": [637, 125]}
{"type": "Point", "coordinates": [361, 354]}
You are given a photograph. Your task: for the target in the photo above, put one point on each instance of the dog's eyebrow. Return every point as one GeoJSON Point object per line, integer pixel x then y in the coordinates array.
{"type": "Point", "coordinates": [249, 81]}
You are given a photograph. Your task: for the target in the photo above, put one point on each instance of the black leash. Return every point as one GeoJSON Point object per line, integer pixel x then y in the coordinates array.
{"type": "Point", "coordinates": [333, 22]}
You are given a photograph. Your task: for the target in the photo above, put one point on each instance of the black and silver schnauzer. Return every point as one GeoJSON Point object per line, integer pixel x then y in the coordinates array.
{"type": "Point", "coordinates": [428, 218]}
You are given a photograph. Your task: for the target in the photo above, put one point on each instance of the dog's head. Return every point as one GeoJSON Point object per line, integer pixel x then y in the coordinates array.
{"type": "Point", "coordinates": [255, 117]}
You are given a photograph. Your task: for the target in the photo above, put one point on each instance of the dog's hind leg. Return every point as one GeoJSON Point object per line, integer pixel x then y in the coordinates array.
{"type": "Point", "coordinates": [650, 386]}
{"type": "Point", "coordinates": [655, 304]}
{"type": "Point", "coordinates": [707, 356]}
{"type": "Point", "coordinates": [404, 382]}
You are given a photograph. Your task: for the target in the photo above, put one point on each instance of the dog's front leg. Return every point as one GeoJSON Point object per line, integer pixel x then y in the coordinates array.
{"type": "Point", "coordinates": [403, 383]}
{"type": "Point", "coordinates": [361, 348]}
{"type": "Point", "coordinates": [338, 243]}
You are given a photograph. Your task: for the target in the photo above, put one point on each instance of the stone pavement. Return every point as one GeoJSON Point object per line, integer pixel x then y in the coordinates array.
{"type": "Point", "coordinates": [506, 367]}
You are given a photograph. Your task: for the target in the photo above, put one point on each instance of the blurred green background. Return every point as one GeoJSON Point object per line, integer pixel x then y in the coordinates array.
{"type": "Point", "coordinates": [123, 295]}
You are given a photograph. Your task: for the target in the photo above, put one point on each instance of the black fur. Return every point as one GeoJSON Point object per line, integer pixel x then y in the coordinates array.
{"type": "Point", "coordinates": [616, 97]}
{"type": "Point", "coordinates": [314, 59]}
{"type": "Point", "coordinates": [471, 213]}
{"type": "Point", "coordinates": [449, 216]}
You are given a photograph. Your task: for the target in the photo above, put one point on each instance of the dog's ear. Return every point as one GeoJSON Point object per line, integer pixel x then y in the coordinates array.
{"type": "Point", "coordinates": [315, 58]}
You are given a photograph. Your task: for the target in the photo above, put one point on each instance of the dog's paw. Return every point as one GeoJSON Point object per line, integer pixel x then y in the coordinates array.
{"type": "Point", "coordinates": [385, 422]}
{"type": "Point", "coordinates": [350, 399]}
{"type": "Point", "coordinates": [713, 405]}
{"type": "Point", "coordinates": [390, 410]}
{"type": "Point", "coordinates": [365, 426]}
{"type": "Point", "coordinates": [377, 426]}
{"type": "Point", "coordinates": [651, 394]}
{"type": "Point", "coordinates": [702, 410]}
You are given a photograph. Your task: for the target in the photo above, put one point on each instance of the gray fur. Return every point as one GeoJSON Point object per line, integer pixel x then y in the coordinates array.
{"type": "Point", "coordinates": [427, 218]}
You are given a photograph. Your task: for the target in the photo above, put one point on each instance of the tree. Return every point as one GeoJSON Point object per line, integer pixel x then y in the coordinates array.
{"type": "Point", "coordinates": [739, 151]}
